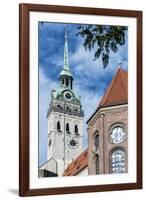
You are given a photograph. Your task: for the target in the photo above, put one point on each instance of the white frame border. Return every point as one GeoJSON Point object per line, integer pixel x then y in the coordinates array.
{"type": "Point", "coordinates": [130, 177]}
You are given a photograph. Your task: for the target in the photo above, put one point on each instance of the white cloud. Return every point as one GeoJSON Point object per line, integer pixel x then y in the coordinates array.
{"type": "Point", "coordinates": [43, 80]}
{"type": "Point", "coordinates": [82, 60]}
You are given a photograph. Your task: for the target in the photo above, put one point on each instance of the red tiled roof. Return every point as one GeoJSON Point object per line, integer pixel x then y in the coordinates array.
{"type": "Point", "coordinates": [117, 91]}
{"type": "Point", "coordinates": [77, 165]}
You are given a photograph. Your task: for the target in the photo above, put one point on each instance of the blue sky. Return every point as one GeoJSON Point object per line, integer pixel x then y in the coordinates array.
{"type": "Point", "coordinates": [90, 79]}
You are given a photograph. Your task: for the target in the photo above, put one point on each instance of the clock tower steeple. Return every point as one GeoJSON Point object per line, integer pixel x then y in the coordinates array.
{"type": "Point", "coordinates": [65, 121]}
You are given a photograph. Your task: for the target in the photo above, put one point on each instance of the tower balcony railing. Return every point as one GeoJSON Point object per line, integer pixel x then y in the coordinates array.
{"type": "Point", "coordinates": [79, 113]}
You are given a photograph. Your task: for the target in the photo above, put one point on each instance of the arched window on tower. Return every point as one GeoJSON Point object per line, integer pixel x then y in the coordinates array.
{"type": "Point", "coordinates": [71, 84]}
{"type": "Point", "coordinates": [58, 127]}
{"type": "Point", "coordinates": [67, 82]}
{"type": "Point", "coordinates": [76, 130]}
{"type": "Point", "coordinates": [67, 128]}
{"type": "Point", "coordinates": [118, 161]}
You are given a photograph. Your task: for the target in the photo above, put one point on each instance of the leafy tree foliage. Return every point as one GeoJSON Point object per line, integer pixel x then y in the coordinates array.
{"type": "Point", "coordinates": [103, 39]}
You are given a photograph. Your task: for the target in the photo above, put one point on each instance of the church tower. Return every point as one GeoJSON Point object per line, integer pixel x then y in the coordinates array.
{"type": "Point", "coordinates": [65, 121]}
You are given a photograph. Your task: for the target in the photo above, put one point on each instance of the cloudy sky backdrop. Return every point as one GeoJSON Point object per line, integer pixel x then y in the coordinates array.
{"type": "Point", "coordinates": [90, 79]}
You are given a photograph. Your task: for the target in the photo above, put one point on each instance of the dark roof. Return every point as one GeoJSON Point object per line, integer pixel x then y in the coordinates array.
{"type": "Point", "coordinates": [77, 165]}
{"type": "Point", "coordinates": [116, 93]}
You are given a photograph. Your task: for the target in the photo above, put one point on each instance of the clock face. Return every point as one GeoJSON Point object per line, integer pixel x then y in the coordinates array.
{"type": "Point", "coordinates": [68, 96]}
{"type": "Point", "coordinates": [118, 135]}
{"type": "Point", "coordinates": [72, 143]}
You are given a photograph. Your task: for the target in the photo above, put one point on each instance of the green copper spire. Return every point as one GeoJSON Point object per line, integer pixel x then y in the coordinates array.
{"type": "Point", "coordinates": [66, 69]}
{"type": "Point", "coordinates": [66, 78]}
{"type": "Point", "coordinates": [66, 60]}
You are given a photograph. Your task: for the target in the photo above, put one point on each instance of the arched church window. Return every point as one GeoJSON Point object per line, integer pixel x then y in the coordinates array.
{"type": "Point", "coordinates": [118, 161]}
{"type": "Point", "coordinates": [97, 164]}
{"type": "Point", "coordinates": [67, 128]}
{"type": "Point", "coordinates": [95, 141]}
{"type": "Point", "coordinates": [58, 127]}
{"type": "Point", "coordinates": [76, 129]}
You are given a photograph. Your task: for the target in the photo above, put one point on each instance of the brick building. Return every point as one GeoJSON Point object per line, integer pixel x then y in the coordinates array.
{"type": "Point", "coordinates": [108, 129]}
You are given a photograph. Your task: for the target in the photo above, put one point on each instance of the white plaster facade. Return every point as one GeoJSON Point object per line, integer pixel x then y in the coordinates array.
{"type": "Point", "coordinates": [61, 151]}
